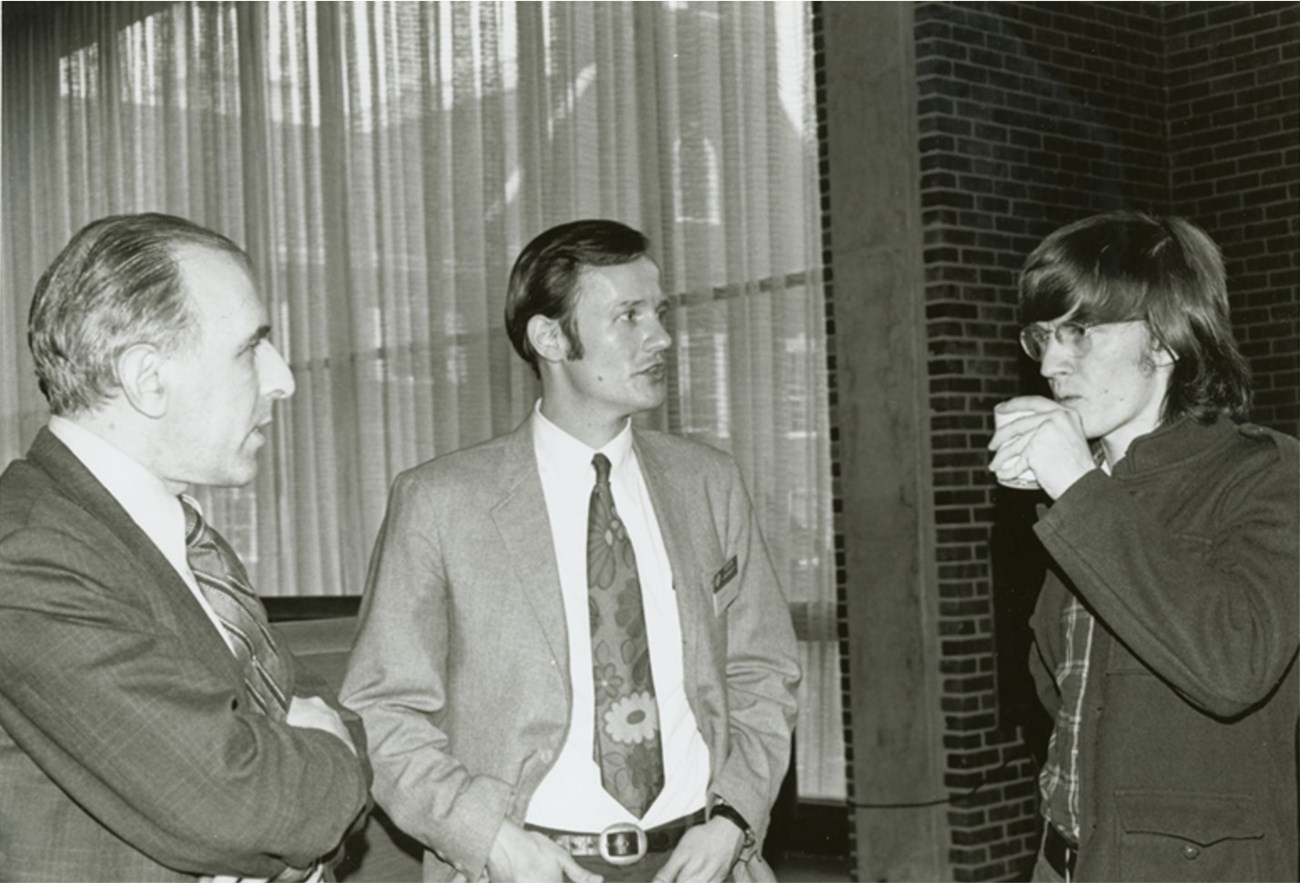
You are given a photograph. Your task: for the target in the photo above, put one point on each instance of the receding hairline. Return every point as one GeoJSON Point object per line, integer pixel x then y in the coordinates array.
{"type": "Point", "coordinates": [180, 249]}
{"type": "Point", "coordinates": [184, 254]}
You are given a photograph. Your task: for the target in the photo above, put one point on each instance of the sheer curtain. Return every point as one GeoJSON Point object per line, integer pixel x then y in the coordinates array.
{"type": "Point", "coordinates": [383, 164]}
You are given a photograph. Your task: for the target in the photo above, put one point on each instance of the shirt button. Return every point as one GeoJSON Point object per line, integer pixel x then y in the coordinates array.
{"type": "Point", "coordinates": [1191, 852]}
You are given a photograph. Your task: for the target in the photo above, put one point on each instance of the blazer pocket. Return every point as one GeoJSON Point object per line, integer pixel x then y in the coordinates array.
{"type": "Point", "coordinates": [725, 586]}
{"type": "Point", "coordinates": [1169, 835]}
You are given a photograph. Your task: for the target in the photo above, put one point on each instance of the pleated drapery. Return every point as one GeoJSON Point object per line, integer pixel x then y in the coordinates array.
{"type": "Point", "coordinates": [383, 163]}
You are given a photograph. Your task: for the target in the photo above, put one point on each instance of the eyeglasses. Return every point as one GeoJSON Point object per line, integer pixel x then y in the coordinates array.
{"type": "Point", "coordinates": [1074, 336]}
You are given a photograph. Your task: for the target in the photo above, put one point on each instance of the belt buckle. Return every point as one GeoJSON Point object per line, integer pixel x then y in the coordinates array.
{"type": "Point", "coordinates": [622, 843]}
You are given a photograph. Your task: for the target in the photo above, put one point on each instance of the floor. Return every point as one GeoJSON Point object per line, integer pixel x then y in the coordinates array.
{"type": "Point", "coordinates": [390, 865]}
{"type": "Point", "coordinates": [812, 869]}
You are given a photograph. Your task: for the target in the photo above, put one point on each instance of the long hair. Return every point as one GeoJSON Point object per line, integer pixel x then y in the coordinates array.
{"type": "Point", "coordinates": [1166, 272]}
{"type": "Point", "coordinates": [545, 277]}
{"type": "Point", "coordinates": [116, 284]}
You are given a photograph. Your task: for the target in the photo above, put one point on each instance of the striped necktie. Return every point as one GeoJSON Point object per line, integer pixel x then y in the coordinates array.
{"type": "Point", "coordinates": [224, 583]}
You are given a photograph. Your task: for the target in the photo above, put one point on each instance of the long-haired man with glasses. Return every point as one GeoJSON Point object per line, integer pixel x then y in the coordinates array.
{"type": "Point", "coordinates": [1166, 630]}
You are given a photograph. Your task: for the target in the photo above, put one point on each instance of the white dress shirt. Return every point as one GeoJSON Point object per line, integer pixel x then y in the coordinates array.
{"type": "Point", "coordinates": [571, 797]}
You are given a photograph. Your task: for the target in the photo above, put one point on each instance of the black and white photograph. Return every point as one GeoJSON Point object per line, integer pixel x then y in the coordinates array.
{"type": "Point", "coordinates": [567, 441]}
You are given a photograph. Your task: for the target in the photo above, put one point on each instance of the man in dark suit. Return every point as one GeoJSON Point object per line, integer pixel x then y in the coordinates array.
{"type": "Point", "coordinates": [574, 660]}
{"type": "Point", "coordinates": [1167, 629]}
{"type": "Point", "coordinates": [150, 726]}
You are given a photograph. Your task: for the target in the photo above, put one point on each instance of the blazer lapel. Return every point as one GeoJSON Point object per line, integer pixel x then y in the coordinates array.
{"type": "Point", "coordinates": [66, 470]}
{"type": "Point", "coordinates": [525, 532]}
{"type": "Point", "coordinates": [674, 512]}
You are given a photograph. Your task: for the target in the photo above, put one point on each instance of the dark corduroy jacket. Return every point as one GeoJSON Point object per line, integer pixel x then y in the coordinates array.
{"type": "Point", "coordinates": [1188, 555]}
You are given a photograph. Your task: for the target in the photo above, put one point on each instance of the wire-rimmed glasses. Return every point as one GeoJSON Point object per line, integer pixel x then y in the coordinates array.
{"type": "Point", "coordinates": [1076, 337]}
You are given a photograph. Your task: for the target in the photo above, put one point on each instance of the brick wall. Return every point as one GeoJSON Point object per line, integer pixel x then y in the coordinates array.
{"type": "Point", "coordinates": [1233, 74]}
{"type": "Point", "coordinates": [1033, 115]}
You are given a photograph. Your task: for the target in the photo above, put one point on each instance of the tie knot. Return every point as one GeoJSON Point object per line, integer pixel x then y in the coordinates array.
{"type": "Point", "coordinates": [601, 462]}
{"type": "Point", "coordinates": [193, 519]}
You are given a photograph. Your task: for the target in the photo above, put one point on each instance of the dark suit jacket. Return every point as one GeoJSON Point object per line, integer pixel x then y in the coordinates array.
{"type": "Point", "coordinates": [128, 750]}
{"type": "Point", "coordinates": [461, 665]}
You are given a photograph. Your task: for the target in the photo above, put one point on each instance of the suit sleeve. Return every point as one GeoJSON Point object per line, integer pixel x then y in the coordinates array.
{"type": "Point", "coordinates": [762, 672]}
{"type": "Point", "coordinates": [1215, 614]}
{"type": "Point", "coordinates": [397, 682]}
{"type": "Point", "coordinates": [144, 733]}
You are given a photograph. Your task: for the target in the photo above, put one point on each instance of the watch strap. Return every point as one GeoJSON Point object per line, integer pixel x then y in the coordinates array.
{"type": "Point", "coordinates": [731, 814]}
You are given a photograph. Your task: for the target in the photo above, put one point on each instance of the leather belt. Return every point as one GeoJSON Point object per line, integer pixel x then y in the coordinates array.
{"type": "Point", "coordinates": [1059, 852]}
{"type": "Point", "coordinates": [622, 843]}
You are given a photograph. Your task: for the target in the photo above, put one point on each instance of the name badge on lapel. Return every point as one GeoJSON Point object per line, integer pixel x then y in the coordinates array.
{"type": "Point", "coordinates": [721, 579]}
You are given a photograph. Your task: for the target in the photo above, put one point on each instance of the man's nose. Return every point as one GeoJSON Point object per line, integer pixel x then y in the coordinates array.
{"type": "Point", "coordinates": [1057, 358]}
{"type": "Point", "coordinates": [274, 373]}
{"type": "Point", "coordinates": [658, 339]}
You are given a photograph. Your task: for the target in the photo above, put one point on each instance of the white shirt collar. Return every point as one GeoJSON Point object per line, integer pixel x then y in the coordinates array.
{"type": "Point", "coordinates": [142, 494]}
{"type": "Point", "coordinates": [557, 449]}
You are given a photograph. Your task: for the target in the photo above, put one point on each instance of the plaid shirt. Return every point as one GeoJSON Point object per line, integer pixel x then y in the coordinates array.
{"type": "Point", "coordinates": [1059, 780]}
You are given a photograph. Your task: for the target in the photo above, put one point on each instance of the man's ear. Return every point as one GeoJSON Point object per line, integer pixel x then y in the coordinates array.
{"type": "Point", "coordinates": [1161, 356]}
{"type": "Point", "coordinates": [547, 338]}
{"type": "Point", "coordinates": [142, 380]}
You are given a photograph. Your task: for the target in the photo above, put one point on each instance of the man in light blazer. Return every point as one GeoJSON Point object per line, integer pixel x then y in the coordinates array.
{"type": "Point", "coordinates": [495, 714]}
{"type": "Point", "coordinates": [134, 739]}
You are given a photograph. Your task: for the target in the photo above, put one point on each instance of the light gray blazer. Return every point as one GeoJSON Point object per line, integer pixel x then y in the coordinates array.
{"type": "Point", "coordinates": [460, 668]}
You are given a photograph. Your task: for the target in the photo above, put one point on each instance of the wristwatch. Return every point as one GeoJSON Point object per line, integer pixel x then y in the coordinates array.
{"type": "Point", "coordinates": [729, 812]}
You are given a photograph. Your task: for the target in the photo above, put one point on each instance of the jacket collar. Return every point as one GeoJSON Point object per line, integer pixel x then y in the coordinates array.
{"type": "Point", "coordinates": [524, 532]}
{"type": "Point", "coordinates": [1174, 443]}
{"type": "Point", "coordinates": [69, 474]}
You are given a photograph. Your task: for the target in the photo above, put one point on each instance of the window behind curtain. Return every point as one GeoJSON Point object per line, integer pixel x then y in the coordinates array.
{"type": "Point", "coordinates": [383, 164]}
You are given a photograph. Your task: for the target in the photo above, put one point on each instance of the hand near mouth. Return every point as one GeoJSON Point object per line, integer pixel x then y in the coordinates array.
{"type": "Point", "coordinates": [1048, 439]}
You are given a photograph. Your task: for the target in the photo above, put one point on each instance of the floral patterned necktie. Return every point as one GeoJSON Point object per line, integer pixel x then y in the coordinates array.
{"type": "Point", "coordinates": [224, 583]}
{"type": "Point", "coordinates": [627, 745]}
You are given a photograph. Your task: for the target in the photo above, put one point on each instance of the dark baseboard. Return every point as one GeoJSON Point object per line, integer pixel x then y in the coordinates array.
{"type": "Point", "coordinates": [297, 609]}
